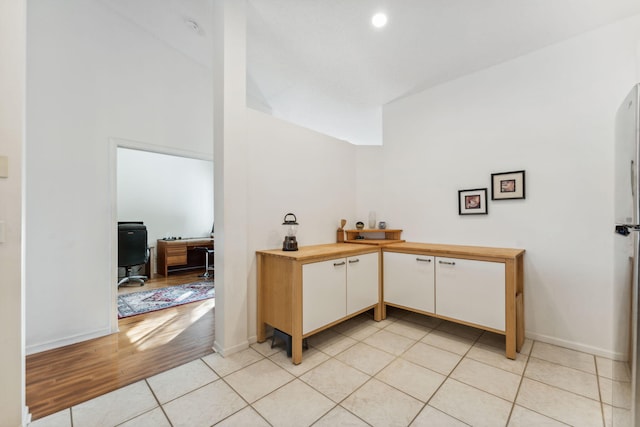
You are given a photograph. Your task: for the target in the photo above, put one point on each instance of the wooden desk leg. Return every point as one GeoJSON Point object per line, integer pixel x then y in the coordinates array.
{"type": "Point", "coordinates": [296, 349]}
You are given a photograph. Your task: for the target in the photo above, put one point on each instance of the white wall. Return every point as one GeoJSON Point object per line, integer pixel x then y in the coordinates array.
{"type": "Point", "coordinates": [92, 76]}
{"type": "Point", "coordinates": [293, 169]}
{"type": "Point", "coordinates": [172, 195]}
{"type": "Point", "coordinates": [12, 120]}
{"type": "Point", "coordinates": [550, 113]}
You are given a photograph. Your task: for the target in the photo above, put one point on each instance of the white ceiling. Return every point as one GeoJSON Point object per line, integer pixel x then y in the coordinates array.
{"type": "Point", "coordinates": [321, 64]}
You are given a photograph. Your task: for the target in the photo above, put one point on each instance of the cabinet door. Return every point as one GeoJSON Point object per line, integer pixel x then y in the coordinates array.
{"type": "Point", "coordinates": [471, 291]}
{"type": "Point", "coordinates": [362, 282]}
{"type": "Point", "coordinates": [324, 288]}
{"type": "Point", "coordinates": [409, 280]}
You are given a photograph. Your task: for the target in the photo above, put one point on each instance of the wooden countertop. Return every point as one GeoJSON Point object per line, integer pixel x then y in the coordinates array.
{"type": "Point", "coordinates": [453, 250]}
{"type": "Point", "coordinates": [335, 250]}
{"type": "Point", "coordinates": [331, 250]}
{"type": "Point", "coordinates": [187, 241]}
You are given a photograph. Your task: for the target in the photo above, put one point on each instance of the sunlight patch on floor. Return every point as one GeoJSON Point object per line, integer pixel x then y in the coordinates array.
{"type": "Point", "coordinates": [200, 311]}
{"type": "Point", "coordinates": [159, 329]}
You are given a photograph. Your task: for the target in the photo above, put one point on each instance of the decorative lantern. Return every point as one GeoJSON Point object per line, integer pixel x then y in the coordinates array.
{"type": "Point", "coordinates": [291, 228]}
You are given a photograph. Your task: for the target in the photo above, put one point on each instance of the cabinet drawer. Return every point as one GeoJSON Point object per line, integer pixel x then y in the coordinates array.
{"type": "Point", "coordinates": [471, 291]}
{"type": "Point", "coordinates": [176, 255]}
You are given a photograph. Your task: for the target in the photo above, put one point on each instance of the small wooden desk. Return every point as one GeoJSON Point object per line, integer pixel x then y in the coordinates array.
{"type": "Point", "coordinates": [180, 254]}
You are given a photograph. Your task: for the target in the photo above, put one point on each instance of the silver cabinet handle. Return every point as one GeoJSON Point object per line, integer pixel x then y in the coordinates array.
{"type": "Point", "coordinates": [337, 264]}
{"type": "Point", "coordinates": [351, 261]}
{"type": "Point", "coordinates": [447, 262]}
{"type": "Point", "coordinates": [423, 260]}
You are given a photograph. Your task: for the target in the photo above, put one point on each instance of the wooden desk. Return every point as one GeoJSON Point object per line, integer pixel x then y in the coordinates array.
{"type": "Point", "coordinates": [180, 255]}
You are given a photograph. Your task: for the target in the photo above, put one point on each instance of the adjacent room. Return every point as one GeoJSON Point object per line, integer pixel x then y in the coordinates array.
{"type": "Point", "coordinates": [167, 200]}
{"type": "Point", "coordinates": [442, 136]}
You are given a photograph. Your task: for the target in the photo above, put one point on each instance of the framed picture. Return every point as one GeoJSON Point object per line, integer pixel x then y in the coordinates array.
{"type": "Point", "coordinates": [507, 185]}
{"type": "Point", "coordinates": [473, 202]}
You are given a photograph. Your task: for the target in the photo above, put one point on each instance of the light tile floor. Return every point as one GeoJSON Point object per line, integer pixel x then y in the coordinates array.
{"type": "Point", "coordinates": [406, 370]}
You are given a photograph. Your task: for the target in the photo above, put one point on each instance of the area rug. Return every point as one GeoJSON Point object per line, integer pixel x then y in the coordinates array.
{"type": "Point", "coordinates": [157, 299]}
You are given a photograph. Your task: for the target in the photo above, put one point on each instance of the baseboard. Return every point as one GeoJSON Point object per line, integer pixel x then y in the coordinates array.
{"type": "Point", "coordinates": [230, 350]}
{"type": "Point", "coordinates": [50, 345]}
{"type": "Point", "coordinates": [253, 339]}
{"type": "Point", "coordinates": [26, 417]}
{"type": "Point", "coordinates": [576, 346]}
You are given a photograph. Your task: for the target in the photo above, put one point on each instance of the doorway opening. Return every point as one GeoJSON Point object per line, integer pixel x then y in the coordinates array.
{"type": "Point", "coordinates": [171, 193]}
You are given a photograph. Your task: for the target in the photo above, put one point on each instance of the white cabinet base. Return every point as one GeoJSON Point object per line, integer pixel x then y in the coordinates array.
{"type": "Point", "coordinates": [475, 286]}
{"type": "Point", "coordinates": [302, 292]}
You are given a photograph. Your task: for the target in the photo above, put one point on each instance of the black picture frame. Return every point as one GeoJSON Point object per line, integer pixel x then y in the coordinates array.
{"type": "Point", "coordinates": [473, 202]}
{"type": "Point", "coordinates": [508, 185]}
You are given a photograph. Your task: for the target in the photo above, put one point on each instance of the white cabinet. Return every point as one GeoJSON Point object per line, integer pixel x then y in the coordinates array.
{"type": "Point", "coordinates": [362, 282]}
{"type": "Point", "coordinates": [337, 288]}
{"type": "Point", "coordinates": [471, 291]}
{"type": "Point", "coordinates": [324, 290]}
{"type": "Point", "coordinates": [409, 281]}
{"type": "Point", "coordinates": [473, 285]}
{"type": "Point", "coordinates": [303, 292]}
{"type": "Point", "coordinates": [461, 289]}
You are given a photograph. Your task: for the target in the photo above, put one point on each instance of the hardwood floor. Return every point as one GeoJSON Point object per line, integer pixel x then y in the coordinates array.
{"type": "Point", "coordinates": [146, 345]}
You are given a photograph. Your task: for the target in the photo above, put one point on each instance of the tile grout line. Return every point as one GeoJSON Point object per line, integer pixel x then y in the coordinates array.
{"type": "Point", "coordinates": [474, 341]}
{"type": "Point", "coordinates": [530, 355]}
{"type": "Point", "coordinates": [371, 377]}
{"type": "Point", "coordinates": [249, 405]}
{"type": "Point", "coordinates": [350, 394]}
{"type": "Point", "coordinates": [395, 357]}
{"type": "Point", "coordinates": [515, 397]}
{"type": "Point", "coordinates": [297, 377]}
{"type": "Point", "coordinates": [158, 400]}
{"type": "Point", "coordinates": [604, 420]}
{"type": "Point", "coordinates": [446, 378]}
{"type": "Point", "coordinates": [220, 377]}
{"type": "Point", "coordinates": [362, 341]}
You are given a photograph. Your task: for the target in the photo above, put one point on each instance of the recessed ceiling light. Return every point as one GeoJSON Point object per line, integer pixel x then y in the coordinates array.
{"type": "Point", "coordinates": [379, 20]}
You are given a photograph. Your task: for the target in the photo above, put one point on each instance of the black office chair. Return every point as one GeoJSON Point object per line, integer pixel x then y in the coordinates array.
{"type": "Point", "coordinates": [132, 250]}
